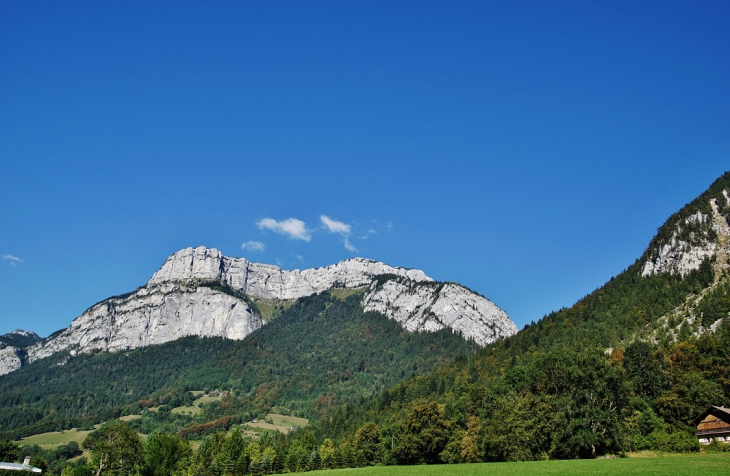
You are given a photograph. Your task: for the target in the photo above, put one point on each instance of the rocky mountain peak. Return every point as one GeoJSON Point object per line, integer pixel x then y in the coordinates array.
{"type": "Point", "coordinates": [698, 232]}
{"type": "Point", "coordinates": [19, 338]}
{"type": "Point", "coordinates": [201, 292]}
{"type": "Point", "coordinates": [269, 281]}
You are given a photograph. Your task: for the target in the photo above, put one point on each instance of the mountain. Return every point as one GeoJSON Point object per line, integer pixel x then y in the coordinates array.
{"type": "Point", "coordinates": [201, 292]}
{"type": "Point", "coordinates": [12, 345]}
{"type": "Point", "coordinates": [625, 368]}
{"type": "Point", "coordinates": [19, 338]}
{"type": "Point", "coordinates": [302, 341]}
{"type": "Point", "coordinates": [322, 351]}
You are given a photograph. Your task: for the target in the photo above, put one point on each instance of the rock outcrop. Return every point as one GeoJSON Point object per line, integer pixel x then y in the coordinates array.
{"type": "Point", "coordinates": [9, 360]}
{"type": "Point", "coordinates": [435, 306]}
{"type": "Point", "coordinates": [153, 315]}
{"type": "Point", "coordinates": [692, 240]}
{"type": "Point", "coordinates": [267, 281]}
{"type": "Point", "coordinates": [201, 292]}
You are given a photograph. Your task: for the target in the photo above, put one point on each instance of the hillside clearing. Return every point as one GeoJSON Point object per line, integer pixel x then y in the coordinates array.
{"type": "Point", "coordinates": [53, 439]}
{"type": "Point", "coordinates": [282, 423]}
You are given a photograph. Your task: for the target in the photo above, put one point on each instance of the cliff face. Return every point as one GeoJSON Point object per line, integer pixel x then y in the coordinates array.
{"type": "Point", "coordinates": [698, 232]}
{"type": "Point", "coordinates": [178, 301]}
{"type": "Point", "coordinates": [9, 360]}
{"type": "Point", "coordinates": [267, 281]}
{"type": "Point", "coordinates": [434, 306]}
{"type": "Point", "coordinates": [153, 315]}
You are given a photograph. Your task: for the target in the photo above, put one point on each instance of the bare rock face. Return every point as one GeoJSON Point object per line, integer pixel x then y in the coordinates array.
{"type": "Point", "coordinates": [153, 315]}
{"type": "Point", "coordinates": [267, 281]}
{"type": "Point", "coordinates": [693, 239]}
{"type": "Point", "coordinates": [435, 306]}
{"type": "Point", "coordinates": [9, 360]}
{"type": "Point", "coordinates": [178, 301]}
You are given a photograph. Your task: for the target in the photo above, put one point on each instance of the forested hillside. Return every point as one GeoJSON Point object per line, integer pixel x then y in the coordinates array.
{"type": "Point", "coordinates": [320, 352]}
{"type": "Point", "coordinates": [626, 368]}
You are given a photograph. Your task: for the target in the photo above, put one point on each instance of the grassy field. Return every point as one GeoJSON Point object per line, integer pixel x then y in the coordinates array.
{"type": "Point", "coordinates": [130, 417]}
{"type": "Point", "coordinates": [342, 293]}
{"type": "Point", "coordinates": [281, 423]}
{"type": "Point", "coordinates": [194, 409]}
{"type": "Point", "coordinates": [268, 306]}
{"type": "Point", "coordinates": [52, 439]}
{"type": "Point", "coordinates": [710, 464]}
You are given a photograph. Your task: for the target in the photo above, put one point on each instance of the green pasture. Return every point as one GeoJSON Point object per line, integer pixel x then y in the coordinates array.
{"type": "Point", "coordinates": [53, 439]}
{"type": "Point", "coordinates": [709, 464]}
{"type": "Point", "coordinates": [280, 423]}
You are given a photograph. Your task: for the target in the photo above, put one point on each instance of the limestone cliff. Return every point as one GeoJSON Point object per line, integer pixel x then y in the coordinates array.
{"type": "Point", "coordinates": [201, 292]}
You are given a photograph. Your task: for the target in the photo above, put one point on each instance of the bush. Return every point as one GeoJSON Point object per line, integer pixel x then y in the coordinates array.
{"type": "Point", "coordinates": [716, 446]}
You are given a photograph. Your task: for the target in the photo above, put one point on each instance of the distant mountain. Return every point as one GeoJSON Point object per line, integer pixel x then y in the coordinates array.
{"type": "Point", "coordinates": [304, 341]}
{"type": "Point", "coordinates": [201, 292]}
{"type": "Point", "coordinates": [19, 338]}
{"type": "Point", "coordinates": [12, 349]}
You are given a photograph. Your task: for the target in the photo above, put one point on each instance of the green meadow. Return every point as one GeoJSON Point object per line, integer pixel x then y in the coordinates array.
{"type": "Point", "coordinates": [55, 438]}
{"type": "Point", "coordinates": [705, 464]}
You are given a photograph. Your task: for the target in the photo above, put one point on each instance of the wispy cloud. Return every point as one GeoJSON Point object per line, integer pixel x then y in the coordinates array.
{"type": "Point", "coordinates": [291, 227]}
{"type": "Point", "coordinates": [335, 226]}
{"type": "Point", "coordinates": [253, 246]}
{"type": "Point", "coordinates": [349, 246]}
{"type": "Point", "coordinates": [12, 260]}
{"type": "Point", "coordinates": [340, 228]}
{"type": "Point", "coordinates": [367, 234]}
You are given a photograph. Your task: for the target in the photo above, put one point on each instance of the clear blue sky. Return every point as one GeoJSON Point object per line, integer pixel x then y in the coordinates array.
{"type": "Point", "coordinates": [528, 150]}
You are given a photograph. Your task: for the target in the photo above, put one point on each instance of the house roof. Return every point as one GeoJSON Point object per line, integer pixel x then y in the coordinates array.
{"type": "Point", "coordinates": [720, 412]}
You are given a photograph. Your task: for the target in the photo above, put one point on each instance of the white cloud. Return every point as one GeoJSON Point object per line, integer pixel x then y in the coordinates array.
{"type": "Point", "coordinates": [291, 227]}
{"type": "Point", "coordinates": [300, 258]}
{"type": "Point", "coordinates": [13, 260]}
{"type": "Point", "coordinates": [349, 245]}
{"type": "Point", "coordinates": [335, 226]}
{"type": "Point", "coordinates": [340, 228]}
{"type": "Point", "coordinates": [253, 246]}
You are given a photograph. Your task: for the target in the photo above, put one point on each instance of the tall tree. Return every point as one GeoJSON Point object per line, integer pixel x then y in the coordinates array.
{"type": "Point", "coordinates": [116, 449]}
{"type": "Point", "coordinates": [165, 453]}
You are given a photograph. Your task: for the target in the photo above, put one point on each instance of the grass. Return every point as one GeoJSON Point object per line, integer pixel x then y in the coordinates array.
{"type": "Point", "coordinates": [704, 464]}
{"type": "Point", "coordinates": [280, 423]}
{"type": "Point", "coordinates": [53, 439]}
{"type": "Point", "coordinates": [130, 417]}
{"type": "Point", "coordinates": [342, 293]}
{"type": "Point", "coordinates": [205, 399]}
{"type": "Point", "coordinates": [268, 306]}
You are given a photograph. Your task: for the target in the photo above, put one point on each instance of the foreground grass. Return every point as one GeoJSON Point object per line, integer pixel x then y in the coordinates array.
{"type": "Point", "coordinates": [709, 464]}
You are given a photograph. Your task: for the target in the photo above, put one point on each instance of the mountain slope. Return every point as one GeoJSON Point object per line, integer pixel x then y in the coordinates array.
{"type": "Point", "coordinates": [320, 352]}
{"type": "Point", "coordinates": [625, 368]}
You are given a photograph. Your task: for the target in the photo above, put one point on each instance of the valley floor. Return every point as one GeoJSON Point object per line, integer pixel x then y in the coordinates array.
{"type": "Point", "coordinates": [706, 464]}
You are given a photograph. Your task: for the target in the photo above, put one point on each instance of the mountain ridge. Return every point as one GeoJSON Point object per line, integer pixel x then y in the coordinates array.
{"type": "Point", "coordinates": [201, 292]}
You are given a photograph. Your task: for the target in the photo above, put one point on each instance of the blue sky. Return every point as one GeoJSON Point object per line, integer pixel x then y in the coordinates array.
{"type": "Point", "coordinates": [528, 150]}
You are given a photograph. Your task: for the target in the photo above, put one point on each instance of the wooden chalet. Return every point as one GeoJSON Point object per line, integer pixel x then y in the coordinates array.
{"type": "Point", "coordinates": [713, 424]}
